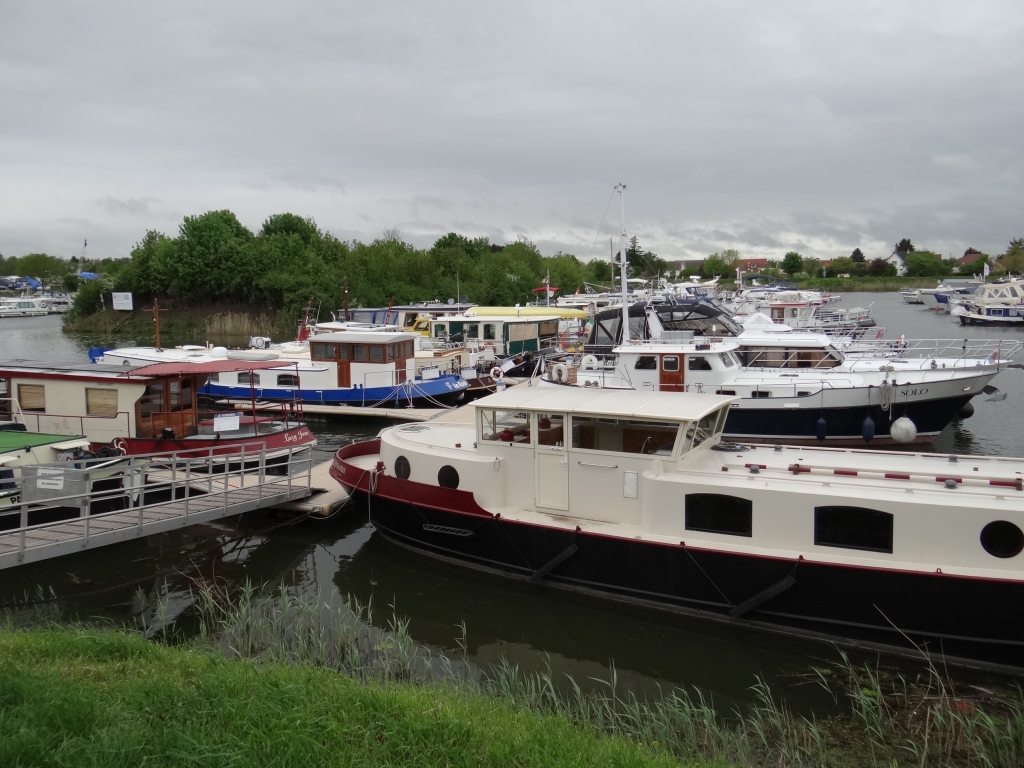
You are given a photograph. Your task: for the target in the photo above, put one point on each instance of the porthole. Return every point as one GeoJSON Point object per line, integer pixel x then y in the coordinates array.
{"type": "Point", "coordinates": [448, 477]}
{"type": "Point", "coordinates": [1001, 538]}
{"type": "Point", "coordinates": [402, 468]}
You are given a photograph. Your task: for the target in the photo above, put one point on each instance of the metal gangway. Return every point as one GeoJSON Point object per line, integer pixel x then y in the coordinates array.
{"type": "Point", "coordinates": [49, 510]}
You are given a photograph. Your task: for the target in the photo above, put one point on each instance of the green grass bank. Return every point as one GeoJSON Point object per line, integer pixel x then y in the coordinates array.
{"type": "Point", "coordinates": [76, 697]}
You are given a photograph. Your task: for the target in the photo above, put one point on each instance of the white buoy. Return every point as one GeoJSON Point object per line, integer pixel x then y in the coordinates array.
{"type": "Point", "coordinates": [957, 311]}
{"type": "Point", "coordinates": [903, 430]}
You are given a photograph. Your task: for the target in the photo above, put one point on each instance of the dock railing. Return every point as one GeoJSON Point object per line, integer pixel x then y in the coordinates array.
{"type": "Point", "coordinates": [69, 502]}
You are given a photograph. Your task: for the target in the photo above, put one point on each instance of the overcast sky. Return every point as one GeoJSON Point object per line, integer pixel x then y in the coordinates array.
{"type": "Point", "coordinates": [766, 127]}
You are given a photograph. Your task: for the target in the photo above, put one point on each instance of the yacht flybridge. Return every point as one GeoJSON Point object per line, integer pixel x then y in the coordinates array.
{"type": "Point", "coordinates": [635, 495]}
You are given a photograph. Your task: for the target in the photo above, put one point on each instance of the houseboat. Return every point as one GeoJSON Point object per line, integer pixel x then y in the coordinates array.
{"type": "Point", "coordinates": [636, 496]}
{"type": "Point", "coordinates": [149, 409]}
{"type": "Point", "coordinates": [357, 368]}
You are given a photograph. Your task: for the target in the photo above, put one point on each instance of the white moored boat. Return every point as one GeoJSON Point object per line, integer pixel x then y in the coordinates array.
{"type": "Point", "coordinates": [634, 495]}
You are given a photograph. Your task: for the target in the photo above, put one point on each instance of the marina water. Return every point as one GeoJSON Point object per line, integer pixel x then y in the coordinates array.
{"type": "Point", "coordinates": [531, 626]}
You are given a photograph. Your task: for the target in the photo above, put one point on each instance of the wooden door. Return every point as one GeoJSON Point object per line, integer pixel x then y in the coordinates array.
{"type": "Point", "coordinates": [344, 376]}
{"type": "Point", "coordinates": [671, 377]}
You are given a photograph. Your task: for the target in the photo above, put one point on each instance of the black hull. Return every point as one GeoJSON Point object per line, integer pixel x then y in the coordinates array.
{"type": "Point", "coordinates": [961, 618]}
{"type": "Point", "coordinates": [843, 425]}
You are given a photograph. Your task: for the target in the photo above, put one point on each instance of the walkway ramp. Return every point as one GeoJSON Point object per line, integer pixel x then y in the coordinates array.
{"type": "Point", "coordinates": [51, 510]}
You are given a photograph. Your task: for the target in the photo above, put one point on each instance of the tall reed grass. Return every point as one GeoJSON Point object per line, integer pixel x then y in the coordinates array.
{"type": "Point", "coordinates": [889, 719]}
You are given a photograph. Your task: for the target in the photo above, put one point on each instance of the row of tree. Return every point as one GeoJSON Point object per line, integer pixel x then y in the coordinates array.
{"type": "Point", "coordinates": [215, 259]}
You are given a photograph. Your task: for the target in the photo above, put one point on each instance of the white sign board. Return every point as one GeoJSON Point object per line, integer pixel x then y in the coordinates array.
{"type": "Point", "coordinates": [122, 301]}
{"type": "Point", "coordinates": [226, 422]}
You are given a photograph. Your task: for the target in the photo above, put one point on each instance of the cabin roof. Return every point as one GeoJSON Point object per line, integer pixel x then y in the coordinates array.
{"type": "Point", "coordinates": [363, 337]}
{"type": "Point", "coordinates": [14, 440]}
{"type": "Point", "coordinates": [496, 318]}
{"type": "Point", "coordinates": [179, 367]}
{"type": "Point", "coordinates": [37, 368]}
{"type": "Point", "coordinates": [656, 405]}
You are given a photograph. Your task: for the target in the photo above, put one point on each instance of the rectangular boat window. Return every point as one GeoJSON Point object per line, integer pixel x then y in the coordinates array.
{"type": "Point", "coordinates": [760, 394]}
{"type": "Point", "coordinates": [359, 353]}
{"type": "Point", "coordinates": [719, 513]}
{"type": "Point", "coordinates": [244, 379]}
{"type": "Point", "coordinates": [213, 378]}
{"type": "Point", "coordinates": [729, 360]}
{"type": "Point", "coordinates": [376, 353]}
{"type": "Point", "coordinates": [551, 429]}
{"type": "Point", "coordinates": [723, 414]}
{"type": "Point", "coordinates": [322, 351]}
{"type": "Point", "coordinates": [725, 391]}
{"type": "Point", "coordinates": [488, 331]}
{"type": "Point", "coordinates": [670, 363]}
{"type": "Point", "coordinates": [410, 348]}
{"type": "Point", "coordinates": [649, 438]}
{"type": "Point", "coordinates": [342, 351]}
{"type": "Point", "coordinates": [440, 330]}
{"type": "Point", "coordinates": [391, 351]}
{"type": "Point", "coordinates": [287, 380]}
{"type": "Point", "coordinates": [505, 426]}
{"type": "Point", "coordinates": [646, 363]}
{"type": "Point", "coordinates": [100, 402]}
{"type": "Point", "coordinates": [32, 397]}
{"type": "Point", "coordinates": [853, 528]}
{"type": "Point", "coordinates": [152, 400]}
{"type": "Point", "coordinates": [549, 328]}
{"type": "Point", "coordinates": [472, 331]}
{"type": "Point", "coordinates": [697, 363]}
{"type": "Point", "coordinates": [174, 389]}
{"type": "Point", "coordinates": [699, 431]}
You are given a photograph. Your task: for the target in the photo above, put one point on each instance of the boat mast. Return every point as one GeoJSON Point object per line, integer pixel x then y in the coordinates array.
{"type": "Point", "coordinates": [621, 189]}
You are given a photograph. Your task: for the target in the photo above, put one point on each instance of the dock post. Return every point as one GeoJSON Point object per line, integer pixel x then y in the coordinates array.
{"type": "Point", "coordinates": [290, 450]}
{"type": "Point", "coordinates": [188, 486]}
{"type": "Point", "coordinates": [142, 495]}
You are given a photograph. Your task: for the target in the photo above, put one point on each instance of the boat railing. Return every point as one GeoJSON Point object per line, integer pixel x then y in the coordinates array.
{"type": "Point", "coordinates": [63, 424]}
{"type": "Point", "coordinates": [189, 423]}
{"type": "Point", "coordinates": [972, 349]}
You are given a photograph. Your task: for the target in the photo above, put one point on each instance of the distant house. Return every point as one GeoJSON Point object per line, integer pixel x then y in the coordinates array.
{"type": "Point", "coordinates": [681, 265]}
{"type": "Point", "coordinates": [900, 260]}
{"type": "Point", "coordinates": [753, 265]}
{"type": "Point", "coordinates": [968, 258]}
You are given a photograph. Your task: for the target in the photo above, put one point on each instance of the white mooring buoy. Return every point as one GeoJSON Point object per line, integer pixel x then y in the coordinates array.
{"type": "Point", "coordinates": [903, 430]}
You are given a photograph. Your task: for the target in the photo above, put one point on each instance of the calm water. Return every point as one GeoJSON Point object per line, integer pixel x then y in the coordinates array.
{"type": "Point", "coordinates": [532, 625]}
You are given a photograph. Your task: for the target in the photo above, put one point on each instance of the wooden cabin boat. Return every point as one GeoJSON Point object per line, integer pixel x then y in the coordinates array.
{"type": "Point", "coordinates": [634, 495]}
{"type": "Point", "coordinates": [151, 409]}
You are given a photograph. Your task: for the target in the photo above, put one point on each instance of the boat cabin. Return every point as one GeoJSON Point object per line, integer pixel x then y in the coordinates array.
{"type": "Point", "coordinates": [106, 402]}
{"type": "Point", "coordinates": [366, 359]}
{"type": "Point", "coordinates": [509, 335]}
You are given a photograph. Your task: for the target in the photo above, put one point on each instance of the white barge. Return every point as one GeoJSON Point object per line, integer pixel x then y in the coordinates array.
{"type": "Point", "coordinates": [635, 495]}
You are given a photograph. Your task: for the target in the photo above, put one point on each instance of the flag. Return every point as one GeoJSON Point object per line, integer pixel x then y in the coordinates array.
{"type": "Point", "coordinates": [986, 270]}
{"type": "Point", "coordinates": [995, 353]}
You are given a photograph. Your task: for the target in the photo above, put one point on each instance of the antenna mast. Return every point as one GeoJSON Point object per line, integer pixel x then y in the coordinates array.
{"type": "Point", "coordinates": [623, 261]}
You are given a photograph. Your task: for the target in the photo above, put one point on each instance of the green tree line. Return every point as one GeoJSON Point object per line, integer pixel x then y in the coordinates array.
{"type": "Point", "coordinates": [215, 259]}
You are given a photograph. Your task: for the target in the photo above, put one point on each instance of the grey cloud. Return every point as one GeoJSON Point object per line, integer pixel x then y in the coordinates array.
{"type": "Point", "coordinates": [736, 124]}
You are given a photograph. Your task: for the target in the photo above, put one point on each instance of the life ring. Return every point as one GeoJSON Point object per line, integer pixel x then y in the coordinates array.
{"type": "Point", "coordinates": [497, 374]}
{"type": "Point", "coordinates": [120, 445]}
{"type": "Point", "coordinates": [560, 373]}
{"type": "Point", "coordinates": [589, 361]}
{"type": "Point", "coordinates": [260, 342]}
